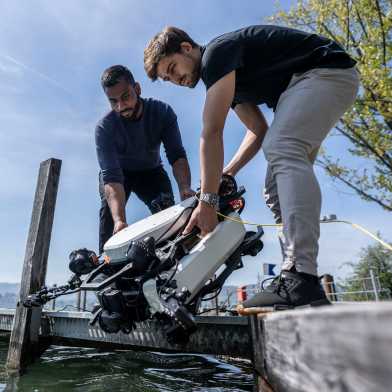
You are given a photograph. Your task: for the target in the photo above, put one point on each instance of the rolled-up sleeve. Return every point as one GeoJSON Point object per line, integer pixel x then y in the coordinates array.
{"type": "Point", "coordinates": [171, 138]}
{"type": "Point", "coordinates": [107, 156]}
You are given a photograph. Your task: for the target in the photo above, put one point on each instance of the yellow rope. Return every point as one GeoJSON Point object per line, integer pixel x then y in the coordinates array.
{"type": "Point", "coordinates": [367, 232]}
{"type": "Point", "coordinates": [249, 223]}
{"type": "Point", "coordinates": [355, 225]}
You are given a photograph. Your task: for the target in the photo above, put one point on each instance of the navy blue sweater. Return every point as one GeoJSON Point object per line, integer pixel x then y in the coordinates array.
{"type": "Point", "coordinates": [124, 145]}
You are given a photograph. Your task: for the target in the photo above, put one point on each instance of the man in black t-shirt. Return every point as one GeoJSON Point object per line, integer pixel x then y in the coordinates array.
{"type": "Point", "coordinates": [309, 81]}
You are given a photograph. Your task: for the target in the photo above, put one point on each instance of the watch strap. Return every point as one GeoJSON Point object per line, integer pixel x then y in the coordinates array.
{"type": "Point", "coordinates": [211, 199]}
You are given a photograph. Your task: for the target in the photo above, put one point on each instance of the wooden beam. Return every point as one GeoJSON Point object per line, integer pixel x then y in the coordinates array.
{"type": "Point", "coordinates": [340, 348]}
{"type": "Point", "coordinates": [328, 284]}
{"type": "Point", "coordinates": [24, 342]}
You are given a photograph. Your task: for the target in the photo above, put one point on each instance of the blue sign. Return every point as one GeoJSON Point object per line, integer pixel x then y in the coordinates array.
{"type": "Point", "coordinates": [268, 269]}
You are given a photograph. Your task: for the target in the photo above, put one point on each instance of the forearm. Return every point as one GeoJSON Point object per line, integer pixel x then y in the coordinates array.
{"type": "Point", "coordinates": [211, 160]}
{"type": "Point", "coordinates": [115, 196]}
{"type": "Point", "coordinates": [249, 147]}
{"type": "Point", "coordinates": [182, 173]}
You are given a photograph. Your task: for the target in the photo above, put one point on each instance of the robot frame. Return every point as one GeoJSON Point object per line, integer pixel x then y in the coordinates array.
{"type": "Point", "coordinates": [150, 270]}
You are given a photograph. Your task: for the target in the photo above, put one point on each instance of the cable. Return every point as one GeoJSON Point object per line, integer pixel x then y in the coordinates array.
{"type": "Point", "coordinates": [170, 278]}
{"type": "Point", "coordinates": [247, 222]}
{"type": "Point", "coordinates": [355, 225]}
{"type": "Point", "coordinates": [213, 297]}
{"type": "Point", "coordinates": [361, 228]}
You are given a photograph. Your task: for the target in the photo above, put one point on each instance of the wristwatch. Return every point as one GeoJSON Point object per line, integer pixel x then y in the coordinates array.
{"type": "Point", "coordinates": [212, 199]}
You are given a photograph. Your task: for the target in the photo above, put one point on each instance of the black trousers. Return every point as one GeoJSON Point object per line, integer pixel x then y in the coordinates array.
{"type": "Point", "coordinates": [152, 187]}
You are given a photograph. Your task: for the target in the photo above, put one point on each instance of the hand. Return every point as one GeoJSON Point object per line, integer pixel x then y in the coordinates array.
{"type": "Point", "coordinates": [228, 172]}
{"type": "Point", "coordinates": [185, 193]}
{"type": "Point", "coordinates": [228, 185]}
{"type": "Point", "coordinates": [118, 226]}
{"type": "Point", "coordinates": [204, 217]}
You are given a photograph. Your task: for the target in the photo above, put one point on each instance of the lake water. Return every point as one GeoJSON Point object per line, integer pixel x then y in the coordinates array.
{"type": "Point", "coordinates": [63, 369]}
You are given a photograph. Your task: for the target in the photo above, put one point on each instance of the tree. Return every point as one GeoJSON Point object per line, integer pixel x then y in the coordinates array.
{"type": "Point", "coordinates": [374, 257]}
{"type": "Point", "coordinates": [364, 29]}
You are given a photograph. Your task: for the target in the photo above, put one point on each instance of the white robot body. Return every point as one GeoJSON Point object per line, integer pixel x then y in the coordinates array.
{"type": "Point", "coordinates": [159, 226]}
{"type": "Point", "coordinates": [204, 259]}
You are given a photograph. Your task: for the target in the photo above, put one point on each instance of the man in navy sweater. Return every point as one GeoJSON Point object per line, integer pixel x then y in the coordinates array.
{"type": "Point", "coordinates": [128, 141]}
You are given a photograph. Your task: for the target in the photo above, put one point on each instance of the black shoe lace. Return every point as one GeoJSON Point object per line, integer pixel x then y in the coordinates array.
{"type": "Point", "coordinates": [277, 284]}
{"type": "Point", "coordinates": [275, 280]}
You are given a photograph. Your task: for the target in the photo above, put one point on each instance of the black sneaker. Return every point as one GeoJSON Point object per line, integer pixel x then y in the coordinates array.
{"type": "Point", "coordinates": [288, 290]}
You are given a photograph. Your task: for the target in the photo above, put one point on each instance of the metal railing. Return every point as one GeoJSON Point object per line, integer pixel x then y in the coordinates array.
{"type": "Point", "coordinates": [361, 289]}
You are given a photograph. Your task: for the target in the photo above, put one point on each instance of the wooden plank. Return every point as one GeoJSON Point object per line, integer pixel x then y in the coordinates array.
{"type": "Point", "coordinates": [328, 284]}
{"type": "Point", "coordinates": [256, 331]}
{"type": "Point", "coordinates": [24, 342]}
{"type": "Point", "coordinates": [332, 348]}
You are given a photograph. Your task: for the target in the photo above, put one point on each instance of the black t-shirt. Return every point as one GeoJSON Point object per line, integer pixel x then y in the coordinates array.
{"type": "Point", "coordinates": [265, 57]}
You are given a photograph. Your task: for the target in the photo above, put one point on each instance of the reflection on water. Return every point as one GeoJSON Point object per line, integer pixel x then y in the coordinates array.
{"type": "Point", "coordinates": [63, 369]}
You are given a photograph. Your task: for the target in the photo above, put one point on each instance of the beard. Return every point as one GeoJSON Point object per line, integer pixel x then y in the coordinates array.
{"type": "Point", "coordinates": [194, 76]}
{"type": "Point", "coordinates": [135, 111]}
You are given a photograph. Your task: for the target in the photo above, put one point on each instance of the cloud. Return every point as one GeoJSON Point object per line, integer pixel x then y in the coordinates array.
{"type": "Point", "coordinates": [9, 68]}
{"type": "Point", "coordinates": [18, 66]}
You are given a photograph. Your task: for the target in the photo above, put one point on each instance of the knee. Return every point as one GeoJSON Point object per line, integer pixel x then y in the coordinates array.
{"type": "Point", "coordinates": [285, 152]}
{"type": "Point", "coordinates": [272, 202]}
{"type": "Point", "coordinates": [270, 197]}
{"type": "Point", "coordinates": [160, 203]}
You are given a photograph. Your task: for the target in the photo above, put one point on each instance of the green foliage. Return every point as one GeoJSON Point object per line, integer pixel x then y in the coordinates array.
{"type": "Point", "coordinates": [374, 257]}
{"type": "Point", "coordinates": [364, 29]}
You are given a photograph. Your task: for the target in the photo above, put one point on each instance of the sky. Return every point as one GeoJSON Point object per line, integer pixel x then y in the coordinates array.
{"type": "Point", "coordinates": [51, 57]}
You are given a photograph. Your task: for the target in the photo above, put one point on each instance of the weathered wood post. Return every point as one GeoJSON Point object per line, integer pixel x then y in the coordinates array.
{"type": "Point", "coordinates": [258, 354]}
{"type": "Point", "coordinates": [328, 284]}
{"type": "Point", "coordinates": [24, 344]}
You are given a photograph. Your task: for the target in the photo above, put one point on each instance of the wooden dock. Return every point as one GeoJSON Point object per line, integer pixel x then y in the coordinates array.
{"type": "Point", "coordinates": [333, 348]}
{"type": "Point", "coordinates": [338, 348]}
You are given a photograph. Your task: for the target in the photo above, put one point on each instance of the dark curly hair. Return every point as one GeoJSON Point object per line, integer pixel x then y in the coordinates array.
{"type": "Point", "coordinates": [113, 74]}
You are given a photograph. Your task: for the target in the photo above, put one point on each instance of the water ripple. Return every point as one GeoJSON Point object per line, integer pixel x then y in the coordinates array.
{"type": "Point", "coordinates": [64, 369]}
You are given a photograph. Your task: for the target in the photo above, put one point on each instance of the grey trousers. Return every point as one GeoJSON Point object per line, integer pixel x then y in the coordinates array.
{"type": "Point", "coordinates": [307, 110]}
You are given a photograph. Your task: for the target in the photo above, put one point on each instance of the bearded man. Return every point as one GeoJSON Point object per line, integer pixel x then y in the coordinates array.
{"type": "Point", "coordinates": [128, 141]}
